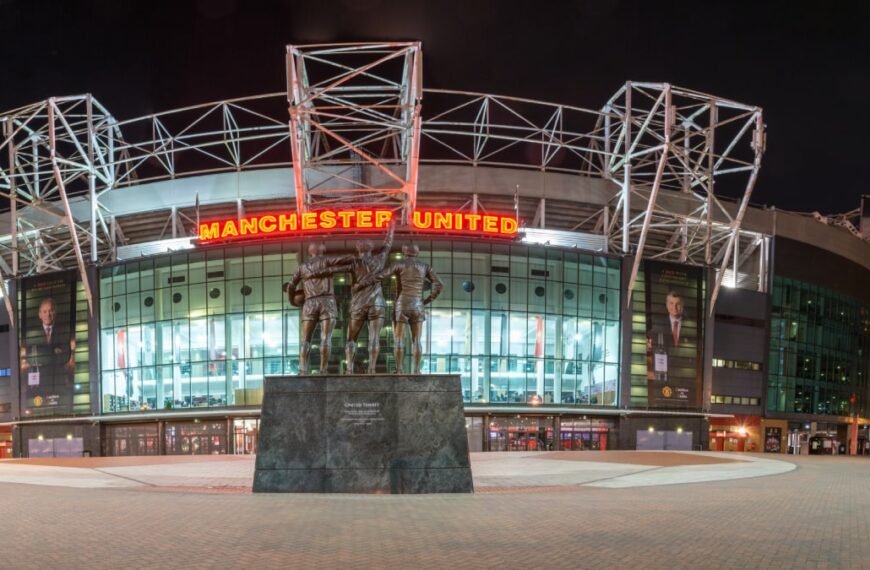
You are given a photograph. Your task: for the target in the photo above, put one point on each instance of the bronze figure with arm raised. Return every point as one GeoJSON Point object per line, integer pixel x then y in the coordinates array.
{"type": "Point", "coordinates": [367, 302]}
{"type": "Point", "coordinates": [411, 274]}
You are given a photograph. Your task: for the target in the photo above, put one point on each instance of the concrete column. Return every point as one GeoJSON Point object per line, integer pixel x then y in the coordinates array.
{"type": "Point", "coordinates": [161, 437]}
{"type": "Point", "coordinates": [487, 368]}
{"type": "Point", "coordinates": [707, 354]}
{"type": "Point", "coordinates": [560, 362]}
{"type": "Point", "coordinates": [15, 376]}
{"type": "Point", "coordinates": [557, 433]}
{"type": "Point", "coordinates": [94, 343]}
{"type": "Point", "coordinates": [14, 352]}
{"type": "Point", "coordinates": [625, 323]}
{"type": "Point", "coordinates": [94, 443]}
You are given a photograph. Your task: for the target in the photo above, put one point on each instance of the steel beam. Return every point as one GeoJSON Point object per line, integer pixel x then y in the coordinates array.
{"type": "Point", "coordinates": [651, 201]}
{"type": "Point", "coordinates": [61, 189]}
{"type": "Point", "coordinates": [758, 143]}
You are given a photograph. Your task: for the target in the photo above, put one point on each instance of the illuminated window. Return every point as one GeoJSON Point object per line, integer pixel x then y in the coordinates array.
{"type": "Point", "coordinates": [512, 336]}
{"type": "Point", "coordinates": [738, 364]}
{"type": "Point", "coordinates": [734, 400]}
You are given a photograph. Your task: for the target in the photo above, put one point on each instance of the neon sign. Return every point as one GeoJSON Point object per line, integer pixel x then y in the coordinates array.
{"type": "Point", "coordinates": [266, 225]}
{"type": "Point", "coordinates": [487, 224]}
{"type": "Point", "coordinates": [329, 221]}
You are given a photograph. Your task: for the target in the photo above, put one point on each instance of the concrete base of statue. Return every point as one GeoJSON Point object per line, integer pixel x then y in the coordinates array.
{"type": "Point", "coordinates": [362, 434]}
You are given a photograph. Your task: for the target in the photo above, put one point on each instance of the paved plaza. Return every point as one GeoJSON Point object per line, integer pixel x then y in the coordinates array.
{"type": "Point", "coordinates": [574, 510]}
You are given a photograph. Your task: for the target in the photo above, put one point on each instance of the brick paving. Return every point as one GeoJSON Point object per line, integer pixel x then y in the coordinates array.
{"type": "Point", "coordinates": [816, 516]}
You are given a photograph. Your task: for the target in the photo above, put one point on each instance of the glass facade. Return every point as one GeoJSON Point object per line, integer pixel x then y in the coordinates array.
{"type": "Point", "coordinates": [520, 325]}
{"type": "Point", "coordinates": [818, 351]}
{"type": "Point", "coordinates": [541, 433]}
{"type": "Point", "coordinates": [181, 437]}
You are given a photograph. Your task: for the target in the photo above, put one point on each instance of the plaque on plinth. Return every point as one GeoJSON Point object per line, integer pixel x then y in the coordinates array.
{"type": "Point", "coordinates": [362, 434]}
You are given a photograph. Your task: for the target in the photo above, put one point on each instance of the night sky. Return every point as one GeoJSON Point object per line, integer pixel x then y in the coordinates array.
{"type": "Point", "coordinates": [806, 64]}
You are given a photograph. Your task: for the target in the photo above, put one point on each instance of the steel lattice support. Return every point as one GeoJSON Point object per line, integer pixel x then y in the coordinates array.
{"type": "Point", "coordinates": [51, 153]}
{"type": "Point", "coordinates": [660, 137]}
{"type": "Point", "coordinates": [355, 123]}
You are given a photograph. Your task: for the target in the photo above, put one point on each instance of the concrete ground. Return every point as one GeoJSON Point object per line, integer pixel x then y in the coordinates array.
{"type": "Point", "coordinates": [570, 510]}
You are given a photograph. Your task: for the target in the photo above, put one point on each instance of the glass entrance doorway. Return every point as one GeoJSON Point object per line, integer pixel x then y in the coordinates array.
{"type": "Point", "coordinates": [136, 439]}
{"type": "Point", "coordinates": [245, 434]}
{"type": "Point", "coordinates": [521, 434]}
{"type": "Point", "coordinates": [196, 438]}
{"type": "Point", "coordinates": [584, 435]}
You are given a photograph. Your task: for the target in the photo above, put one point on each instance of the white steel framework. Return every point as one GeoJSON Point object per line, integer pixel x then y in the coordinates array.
{"type": "Point", "coordinates": [358, 133]}
{"type": "Point", "coordinates": [355, 105]}
{"type": "Point", "coordinates": [669, 138]}
{"type": "Point", "coordinates": [53, 150]}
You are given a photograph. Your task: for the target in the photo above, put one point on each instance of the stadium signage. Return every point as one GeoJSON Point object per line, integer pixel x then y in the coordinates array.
{"type": "Point", "coordinates": [331, 221]}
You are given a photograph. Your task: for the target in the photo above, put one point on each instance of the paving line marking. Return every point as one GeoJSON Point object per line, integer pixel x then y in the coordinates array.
{"type": "Point", "coordinates": [122, 477]}
{"type": "Point", "coordinates": [622, 475]}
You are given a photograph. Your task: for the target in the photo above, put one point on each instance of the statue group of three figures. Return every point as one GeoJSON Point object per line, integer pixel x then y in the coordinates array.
{"type": "Point", "coordinates": [367, 301]}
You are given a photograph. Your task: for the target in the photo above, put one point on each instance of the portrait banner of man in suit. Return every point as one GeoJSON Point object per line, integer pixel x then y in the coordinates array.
{"type": "Point", "coordinates": [674, 319]}
{"type": "Point", "coordinates": [47, 345]}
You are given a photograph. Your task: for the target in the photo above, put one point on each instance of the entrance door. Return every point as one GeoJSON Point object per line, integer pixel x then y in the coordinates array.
{"type": "Point", "coordinates": [521, 434]}
{"type": "Point", "coordinates": [584, 434]}
{"type": "Point", "coordinates": [131, 439]}
{"type": "Point", "coordinates": [245, 434]}
{"type": "Point", "coordinates": [583, 440]}
{"type": "Point", "coordinates": [717, 443]}
{"type": "Point", "coordinates": [196, 438]}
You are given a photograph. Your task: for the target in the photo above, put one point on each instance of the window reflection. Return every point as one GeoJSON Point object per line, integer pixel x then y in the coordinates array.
{"type": "Point", "coordinates": [818, 357]}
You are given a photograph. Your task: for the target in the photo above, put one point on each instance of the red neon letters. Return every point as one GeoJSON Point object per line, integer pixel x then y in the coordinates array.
{"type": "Point", "coordinates": [487, 224]}
{"type": "Point", "coordinates": [328, 221]}
{"type": "Point", "coordinates": [266, 225]}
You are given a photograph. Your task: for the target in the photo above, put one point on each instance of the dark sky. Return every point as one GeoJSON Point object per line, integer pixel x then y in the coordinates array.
{"type": "Point", "coordinates": [806, 64]}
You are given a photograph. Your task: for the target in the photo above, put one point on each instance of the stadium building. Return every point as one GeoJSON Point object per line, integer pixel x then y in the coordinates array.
{"type": "Point", "coordinates": [603, 288]}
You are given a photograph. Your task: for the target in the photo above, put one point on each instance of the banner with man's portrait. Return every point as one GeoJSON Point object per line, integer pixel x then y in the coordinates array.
{"type": "Point", "coordinates": [47, 344]}
{"type": "Point", "coordinates": [674, 330]}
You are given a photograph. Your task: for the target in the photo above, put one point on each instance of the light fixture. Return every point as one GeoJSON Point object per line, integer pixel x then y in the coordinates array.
{"type": "Point", "coordinates": [741, 430]}
{"type": "Point", "coordinates": [651, 429]}
{"type": "Point", "coordinates": [680, 429]}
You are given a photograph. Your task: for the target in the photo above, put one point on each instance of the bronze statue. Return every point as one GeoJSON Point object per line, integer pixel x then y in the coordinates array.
{"type": "Point", "coordinates": [319, 305]}
{"type": "Point", "coordinates": [411, 274]}
{"type": "Point", "coordinates": [367, 302]}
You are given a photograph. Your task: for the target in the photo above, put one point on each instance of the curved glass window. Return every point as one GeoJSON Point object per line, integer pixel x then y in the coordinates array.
{"type": "Point", "coordinates": [519, 324]}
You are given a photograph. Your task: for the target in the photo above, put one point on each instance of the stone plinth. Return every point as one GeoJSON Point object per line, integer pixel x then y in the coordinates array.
{"type": "Point", "coordinates": [362, 434]}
